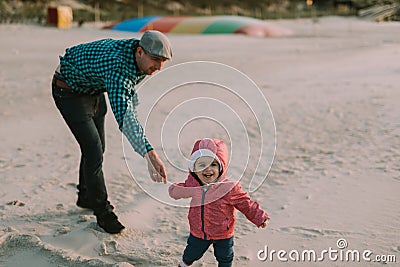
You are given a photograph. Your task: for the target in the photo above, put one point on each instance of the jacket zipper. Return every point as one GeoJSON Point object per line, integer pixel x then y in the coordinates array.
{"type": "Point", "coordinates": [202, 211]}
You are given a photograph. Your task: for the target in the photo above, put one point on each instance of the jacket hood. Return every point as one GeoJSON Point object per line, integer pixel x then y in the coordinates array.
{"type": "Point", "coordinates": [213, 148]}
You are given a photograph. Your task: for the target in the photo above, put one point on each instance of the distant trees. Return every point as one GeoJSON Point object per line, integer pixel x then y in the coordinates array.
{"type": "Point", "coordinates": [115, 10]}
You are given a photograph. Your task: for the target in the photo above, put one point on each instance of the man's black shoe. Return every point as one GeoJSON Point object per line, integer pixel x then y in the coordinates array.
{"type": "Point", "coordinates": [109, 222]}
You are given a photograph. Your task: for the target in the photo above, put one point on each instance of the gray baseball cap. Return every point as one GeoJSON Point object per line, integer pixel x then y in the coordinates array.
{"type": "Point", "coordinates": [156, 44]}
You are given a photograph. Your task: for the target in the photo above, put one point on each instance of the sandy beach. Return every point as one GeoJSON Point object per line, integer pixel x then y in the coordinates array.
{"type": "Point", "coordinates": [334, 184]}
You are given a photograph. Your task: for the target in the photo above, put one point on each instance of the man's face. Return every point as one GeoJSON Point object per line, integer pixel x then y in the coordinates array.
{"type": "Point", "coordinates": [148, 64]}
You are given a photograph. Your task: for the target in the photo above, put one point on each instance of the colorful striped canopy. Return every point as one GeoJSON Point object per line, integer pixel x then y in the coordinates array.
{"type": "Point", "coordinates": [201, 25]}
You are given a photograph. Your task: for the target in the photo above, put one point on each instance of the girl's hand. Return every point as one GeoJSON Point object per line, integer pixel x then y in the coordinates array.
{"type": "Point", "coordinates": [265, 223]}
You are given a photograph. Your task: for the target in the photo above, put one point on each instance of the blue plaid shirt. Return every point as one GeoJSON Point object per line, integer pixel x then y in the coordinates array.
{"type": "Point", "coordinates": [109, 66]}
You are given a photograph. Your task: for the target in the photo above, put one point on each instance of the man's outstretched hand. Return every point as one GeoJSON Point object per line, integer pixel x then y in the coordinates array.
{"type": "Point", "coordinates": [156, 167]}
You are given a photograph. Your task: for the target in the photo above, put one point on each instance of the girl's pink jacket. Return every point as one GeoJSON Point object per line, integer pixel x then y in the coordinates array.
{"type": "Point", "coordinates": [212, 208]}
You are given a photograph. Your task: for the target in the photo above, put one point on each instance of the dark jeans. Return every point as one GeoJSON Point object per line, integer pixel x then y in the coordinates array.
{"type": "Point", "coordinates": [196, 247]}
{"type": "Point", "coordinates": [84, 115]}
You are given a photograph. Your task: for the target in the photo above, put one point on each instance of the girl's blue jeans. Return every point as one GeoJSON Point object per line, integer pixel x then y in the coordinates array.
{"type": "Point", "coordinates": [196, 247]}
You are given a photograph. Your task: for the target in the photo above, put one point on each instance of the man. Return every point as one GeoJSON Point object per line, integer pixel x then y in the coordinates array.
{"type": "Point", "coordinates": [115, 67]}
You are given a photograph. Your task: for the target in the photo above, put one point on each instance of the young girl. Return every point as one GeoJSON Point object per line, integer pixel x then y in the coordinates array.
{"type": "Point", "coordinates": [213, 201]}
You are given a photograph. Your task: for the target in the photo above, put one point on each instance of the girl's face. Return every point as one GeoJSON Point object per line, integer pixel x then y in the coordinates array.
{"type": "Point", "coordinates": [207, 169]}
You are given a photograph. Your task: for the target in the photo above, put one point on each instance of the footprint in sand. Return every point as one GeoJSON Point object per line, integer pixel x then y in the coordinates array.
{"type": "Point", "coordinates": [62, 231]}
{"type": "Point", "coordinates": [109, 247]}
{"type": "Point", "coordinates": [83, 218]}
{"type": "Point", "coordinates": [16, 203]}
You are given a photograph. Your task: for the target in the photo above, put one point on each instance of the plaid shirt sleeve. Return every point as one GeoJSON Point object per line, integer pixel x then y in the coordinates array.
{"type": "Point", "coordinates": [123, 100]}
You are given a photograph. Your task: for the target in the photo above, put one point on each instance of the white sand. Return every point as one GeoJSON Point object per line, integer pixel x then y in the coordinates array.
{"type": "Point", "coordinates": [333, 90]}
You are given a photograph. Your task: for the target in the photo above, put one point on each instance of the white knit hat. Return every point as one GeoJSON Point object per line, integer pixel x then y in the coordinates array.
{"type": "Point", "coordinates": [202, 153]}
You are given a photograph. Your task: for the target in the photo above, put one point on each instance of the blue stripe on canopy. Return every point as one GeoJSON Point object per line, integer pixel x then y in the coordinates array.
{"type": "Point", "coordinates": [134, 25]}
